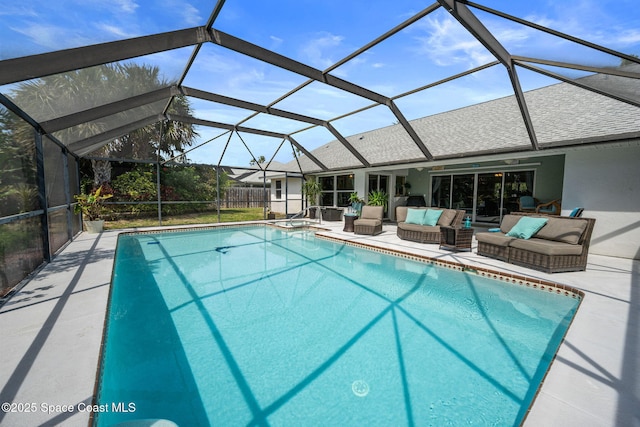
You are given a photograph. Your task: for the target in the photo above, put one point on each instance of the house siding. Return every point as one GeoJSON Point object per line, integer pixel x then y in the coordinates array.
{"type": "Point", "coordinates": [606, 182]}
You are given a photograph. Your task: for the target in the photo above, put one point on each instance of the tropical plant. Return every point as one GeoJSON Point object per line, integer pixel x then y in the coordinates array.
{"type": "Point", "coordinates": [378, 198]}
{"type": "Point", "coordinates": [66, 93]}
{"type": "Point", "coordinates": [91, 205]}
{"type": "Point", "coordinates": [17, 198]}
{"type": "Point", "coordinates": [259, 160]}
{"type": "Point", "coordinates": [311, 190]}
{"type": "Point", "coordinates": [355, 198]}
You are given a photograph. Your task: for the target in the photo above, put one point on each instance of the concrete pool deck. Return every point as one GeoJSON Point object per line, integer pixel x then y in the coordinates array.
{"type": "Point", "coordinates": [51, 333]}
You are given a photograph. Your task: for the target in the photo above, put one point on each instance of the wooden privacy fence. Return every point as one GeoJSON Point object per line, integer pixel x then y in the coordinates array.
{"type": "Point", "coordinates": [245, 197]}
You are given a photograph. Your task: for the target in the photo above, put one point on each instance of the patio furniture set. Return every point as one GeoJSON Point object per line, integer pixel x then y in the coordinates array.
{"type": "Point", "coordinates": [548, 243]}
{"type": "Point", "coordinates": [368, 222]}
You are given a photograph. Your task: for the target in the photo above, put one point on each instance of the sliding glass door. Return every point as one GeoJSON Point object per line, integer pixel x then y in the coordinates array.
{"type": "Point", "coordinates": [485, 196]}
{"type": "Point", "coordinates": [516, 185]}
{"type": "Point", "coordinates": [462, 193]}
{"type": "Point", "coordinates": [489, 199]}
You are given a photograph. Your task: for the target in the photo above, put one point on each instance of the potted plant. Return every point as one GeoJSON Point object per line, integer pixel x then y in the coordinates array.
{"type": "Point", "coordinates": [378, 198]}
{"type": "Point", "coordinates": [92, 208]}
{"type": "Point", "coordinates": [311, 190]}
{"type": "Point", "coordinates": [356, 202]}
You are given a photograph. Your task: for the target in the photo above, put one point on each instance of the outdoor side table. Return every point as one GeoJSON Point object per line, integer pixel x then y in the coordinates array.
{"type": "Point", "coordinates": [348, 222]}
{"type": "Point", "coordinates": [455, 238]}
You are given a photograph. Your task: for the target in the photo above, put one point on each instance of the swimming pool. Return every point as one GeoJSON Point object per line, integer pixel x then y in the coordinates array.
{"type": "Point", "coordinates": [259, 326]}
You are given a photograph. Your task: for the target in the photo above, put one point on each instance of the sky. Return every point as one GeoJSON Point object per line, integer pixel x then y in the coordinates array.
{"type": "Point", "coordinates": [320, 34]}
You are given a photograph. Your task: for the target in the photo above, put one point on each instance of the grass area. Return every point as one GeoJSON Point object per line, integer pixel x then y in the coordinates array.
{"type": "Point", "coordinates": [226, 215]}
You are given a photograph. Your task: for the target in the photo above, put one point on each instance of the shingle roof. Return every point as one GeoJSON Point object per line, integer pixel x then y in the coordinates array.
{"type": "Point", "coordinates": [562, 114]}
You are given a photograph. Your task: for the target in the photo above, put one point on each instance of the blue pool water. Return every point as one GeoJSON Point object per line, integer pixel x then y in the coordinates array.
{"type": "Point", "coordinates": [256, 326]}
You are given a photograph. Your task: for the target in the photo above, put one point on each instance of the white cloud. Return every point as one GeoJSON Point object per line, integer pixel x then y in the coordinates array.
{"type": "Point", "coordinates": [329, 92]}
{"type": "Point", "coordinates": [447, 43]}
{"type": "Point", "coordinates": [191, 15]}
{"type": "Point", "coordinates": [186, 13]}
{"type": "Point", "coordinates": [128, 6]}
{"type": "Point", "coordinates": [114, 7]}
{"type": "Point", "coordinates": [591, 21]}
{"type": "Point", "coordinates": [246, 78]}
{"type": "Point", "coordinates": [51, 36]}
{"type": "Point", "coordinates": [18, 10]}
{"type": "Point", "coordinates": [629, 37]}
{"type": "Point", "coordinates": [118, 32]}
{"type": "Point", "coordinates": [317, 50]}
{"type": "Point", "coordinates": [275, 43]}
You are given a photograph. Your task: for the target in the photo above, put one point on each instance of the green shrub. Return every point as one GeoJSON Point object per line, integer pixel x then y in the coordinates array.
{"type": "Point", "coordinates": [136, 185]}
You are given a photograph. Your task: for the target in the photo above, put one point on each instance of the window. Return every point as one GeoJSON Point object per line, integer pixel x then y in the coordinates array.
{"type": "Point", "coordinates": [344, 188]}
{"type": "Point", "coordinates": [326, 185]}
{"type": "Point", "coordinates": [379, 183]}
{"type": "Point", "coordinates": [336, 189]}
{"type": "Point", "coordinates": [278, 189]}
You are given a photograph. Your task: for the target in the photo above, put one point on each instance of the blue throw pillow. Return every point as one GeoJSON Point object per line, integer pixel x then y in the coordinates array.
{"type": "Point", "coordinates": [431, 217]}
{"type": "Point", "coordinates": [415, 216]}
{"type": "Point", "coordinates": [527, 227]}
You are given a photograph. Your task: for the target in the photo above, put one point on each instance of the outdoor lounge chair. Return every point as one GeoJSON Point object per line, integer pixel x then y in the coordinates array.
{"type": "Point", "coordinates": [370, 222]}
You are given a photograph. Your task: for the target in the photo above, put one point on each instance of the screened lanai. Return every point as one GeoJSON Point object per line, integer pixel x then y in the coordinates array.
{"type": "Point", "coordinates": [229, 83]}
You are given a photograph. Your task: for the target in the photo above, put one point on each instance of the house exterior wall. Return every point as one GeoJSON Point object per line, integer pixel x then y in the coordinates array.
{"type": "Point", "coordinates": [606, 182]}
{"type": "Point", "coordinates": [549, 174]}
{"type": "Point", "coordinates": [549, 178]}
{"type": "Point", "coordinates": [290, 201]}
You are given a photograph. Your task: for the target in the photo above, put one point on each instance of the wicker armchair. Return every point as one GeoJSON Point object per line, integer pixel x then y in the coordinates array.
{"type": "Point", "coordinates": [370, 222]}
{"type": "Point", "coordinates": [549, 208]}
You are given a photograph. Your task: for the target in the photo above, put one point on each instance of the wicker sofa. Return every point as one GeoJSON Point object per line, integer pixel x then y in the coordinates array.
{"type": "Point", "coordinates": [562, 244]}
{"type": "Point", "coordinates": [425, 233]}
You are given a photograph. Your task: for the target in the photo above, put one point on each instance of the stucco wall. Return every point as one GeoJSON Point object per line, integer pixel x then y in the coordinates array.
{"type": "Point", "coordinates": [549, 176]}
{"type": "Point", "coordinates": [606, 182]}
{"type": "Point", "coordinates": [292, 191]}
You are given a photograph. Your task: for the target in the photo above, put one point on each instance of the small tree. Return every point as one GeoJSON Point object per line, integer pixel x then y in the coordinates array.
{"type": "Point", "coordinates": [311, 190]}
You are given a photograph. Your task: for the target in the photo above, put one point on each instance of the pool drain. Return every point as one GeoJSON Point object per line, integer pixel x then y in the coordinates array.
{"type": "Point", "coordinates": [360, 388]}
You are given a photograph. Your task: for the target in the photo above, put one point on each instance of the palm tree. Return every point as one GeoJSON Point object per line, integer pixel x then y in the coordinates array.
{"type": "Point", "coordinates": [259, 160]}
{"type": "Point", "coordinates": [68, 93]}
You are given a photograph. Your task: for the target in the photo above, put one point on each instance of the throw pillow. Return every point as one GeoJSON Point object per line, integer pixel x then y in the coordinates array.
{"type": "Point", "coordinates": [527, 227]}
{"type": "Point", "coordinates": [415, 216]}
{"type": "Point", "coordinates": [431, 217]}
